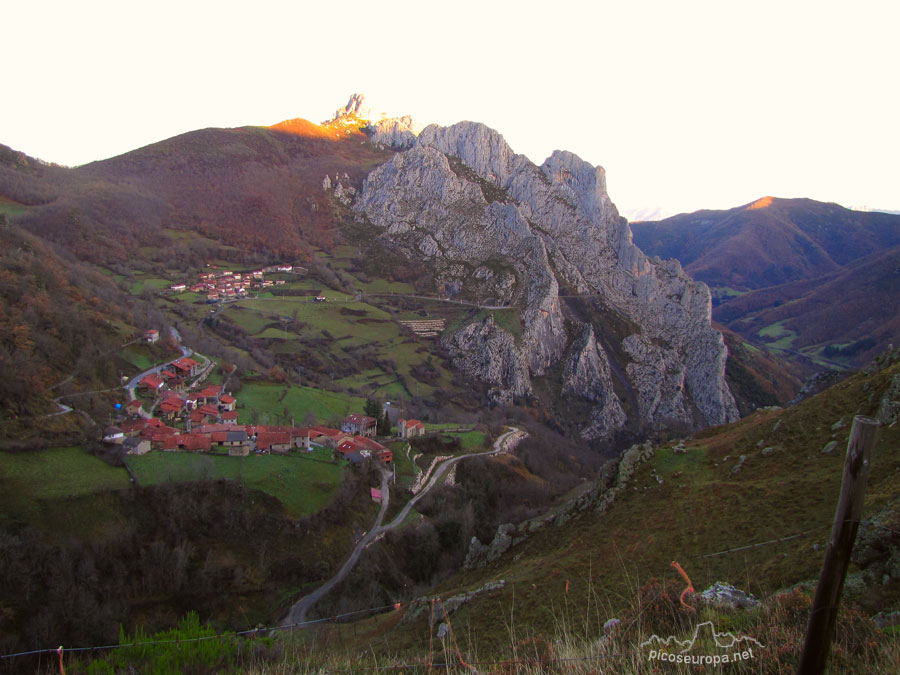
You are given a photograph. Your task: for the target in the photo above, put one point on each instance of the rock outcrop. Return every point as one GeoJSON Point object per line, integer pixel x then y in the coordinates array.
{"type": "Point", "coordinates": [398, 133]}
{"type": "Point", "coordinates": [502, 233]}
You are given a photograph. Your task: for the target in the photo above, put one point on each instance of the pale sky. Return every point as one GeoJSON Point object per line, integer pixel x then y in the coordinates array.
{"type": "Point", "coordinates": [686, 104]}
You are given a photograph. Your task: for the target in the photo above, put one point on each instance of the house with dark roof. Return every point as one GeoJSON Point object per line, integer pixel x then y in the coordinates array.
{"type": "Point", "coordinates": [238, 437]}
{"type": "Point", "coordinates": [113, 434]}
{"type": "Point", "coordinates": [136, 445]}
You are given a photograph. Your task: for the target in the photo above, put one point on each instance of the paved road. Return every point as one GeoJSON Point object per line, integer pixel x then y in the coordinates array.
{"type": "Point", "coordinates": [297, 613]}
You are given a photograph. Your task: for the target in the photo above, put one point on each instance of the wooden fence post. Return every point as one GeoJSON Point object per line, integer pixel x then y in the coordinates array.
{"type": "Point", "coordinates": [820, 629]}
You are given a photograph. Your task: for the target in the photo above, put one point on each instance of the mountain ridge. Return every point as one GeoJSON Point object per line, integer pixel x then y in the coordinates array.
{"type": "Point", "coordinates": [554, 223]}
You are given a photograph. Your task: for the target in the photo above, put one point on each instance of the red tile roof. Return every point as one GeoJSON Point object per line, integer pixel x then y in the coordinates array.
{"type": "Point", "coordinates": [266, 439]}
{"type": "Point", "coordinates": [327, 431]}
{"type": "Point", "coordinates": [369, 444]}
{"type": "Point", "coordinates": [195, 441]}
{"type": "Point", "coordinates": [360, 420]}
{"type": "Point", "coordinates": [230, 415]}
{"type": "Point", "coordinates": [210, 392]}
{"type": "Point", "coordinates": [133, 425]}
{"type": "Point", "coordinates": [185, 363]}
{"type": "Point", "coordinates": [152, 382]}
{"type": "Point", "coordinates": [160, 434]}
{"type": "Point", "coordinates": [226, 399]}
{"type": "Point", "coordinates": [348, 446]}
{"type": "Point", "coordinates": [209, 428]}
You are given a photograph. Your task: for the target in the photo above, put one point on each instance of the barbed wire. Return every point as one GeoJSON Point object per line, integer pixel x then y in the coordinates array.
{"type": "Point", "coordinates": [763, 543]}
{"type": "Point", "coordinates": [385, 608]}
{"type": "Point", "coordinates": [249, 631]}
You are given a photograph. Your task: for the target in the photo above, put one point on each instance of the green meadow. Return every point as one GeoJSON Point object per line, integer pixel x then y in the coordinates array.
{"type": "Point", "coordinates": [302, 484]}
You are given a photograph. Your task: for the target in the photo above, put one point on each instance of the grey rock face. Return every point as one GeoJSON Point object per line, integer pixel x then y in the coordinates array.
{"type": "Point", "coordinates": [398, 133]}
{"type": "Point", "coordinates": [489, 354]}
{"type": "Point", "coordinates": [356, 107]}
{"type": "Point", "coordinates": [506, 233]}
{"type": "Point", "coordinates": [586, 374]}
{"type": "Point", "coordinates": [726, 595]}
{"type": "Point", "coordinates": [889, 408]}
{"type": "Point", "coordinates": [480, 555]}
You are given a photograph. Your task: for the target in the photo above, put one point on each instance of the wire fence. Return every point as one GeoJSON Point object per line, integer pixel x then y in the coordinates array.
{"type": "Point", "coordinates": [268, 630]}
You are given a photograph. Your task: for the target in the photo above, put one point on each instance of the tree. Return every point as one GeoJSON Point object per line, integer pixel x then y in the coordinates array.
{"type": "Point", "coordinates": [372, 408]}
{"type": "Point", "coordinates": [384, 425]}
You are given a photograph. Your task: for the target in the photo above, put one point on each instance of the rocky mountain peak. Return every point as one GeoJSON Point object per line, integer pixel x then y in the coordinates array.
{"type": "Point", "coordinates": [398, 133]}
{"type": "Point", "coordinates": [632, 335]}
{"type": "Point", "coordinates": [356, 108]}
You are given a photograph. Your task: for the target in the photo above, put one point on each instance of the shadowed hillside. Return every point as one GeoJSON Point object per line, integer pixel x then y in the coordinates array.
{"type": "Point", "coordinates": [259, 188]}
{"type": "Point", "coordinates": [850, 314]}
{"type": "Point", "coordinates": [815, 281]}
{"type": "Point", "coordinates": [768, 242]}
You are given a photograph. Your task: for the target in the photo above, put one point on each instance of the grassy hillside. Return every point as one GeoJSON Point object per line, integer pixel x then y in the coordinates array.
{"type": "Point", "coordinates": [84, 551]}
{"type": "Point", "coordinates": [59, 321]}
{"type": "Point", "coordinates": [302, 484]}
{"type": "Point", "coordinates": [761, 527]}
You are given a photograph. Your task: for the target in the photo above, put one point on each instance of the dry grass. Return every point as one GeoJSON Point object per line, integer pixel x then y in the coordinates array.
{"type": "Point", "coordinates": [770, 639]}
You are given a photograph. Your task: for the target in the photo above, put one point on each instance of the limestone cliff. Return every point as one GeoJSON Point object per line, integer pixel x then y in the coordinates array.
{"type": "Point", "coordinates": [504, 233]}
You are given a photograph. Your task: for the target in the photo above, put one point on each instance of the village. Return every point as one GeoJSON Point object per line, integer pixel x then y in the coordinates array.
{"type": "Point", "coordinates": [204, 418]}
{"type": "Point", "coordinates": [225, 285]}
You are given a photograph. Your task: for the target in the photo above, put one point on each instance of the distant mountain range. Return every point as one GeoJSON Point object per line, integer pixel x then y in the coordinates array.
{"type": "Point", "coordinates": [799, 274]}
{"type": "Point", "coordinates": [654, 213]}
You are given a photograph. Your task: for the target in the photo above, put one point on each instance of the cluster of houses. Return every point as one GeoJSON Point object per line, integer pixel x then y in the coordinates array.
{"type": "Point", "coordinates": [226, 285]}
{"type": "Point", "coordinates": [211, 425]}
{"type": "Point", "coordinates": [141, 435]}
{"type": "Point", "coordinates": [171, 379]}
